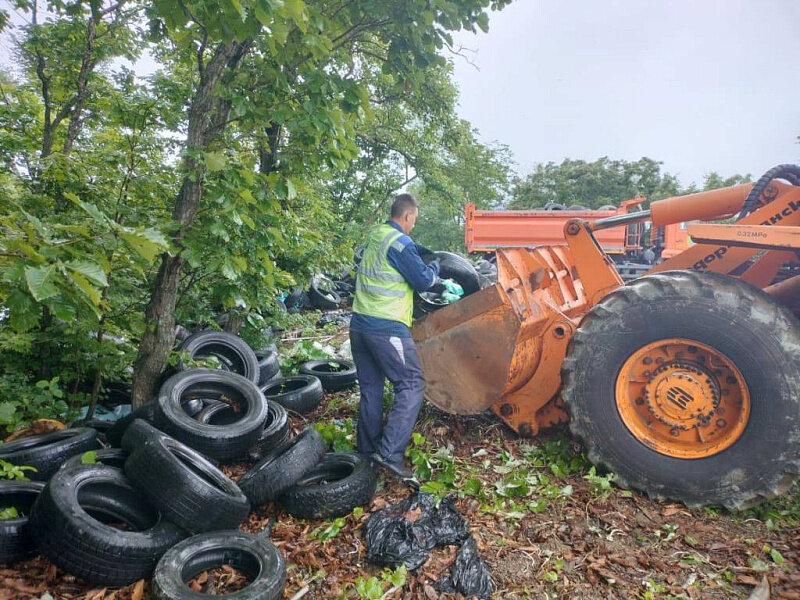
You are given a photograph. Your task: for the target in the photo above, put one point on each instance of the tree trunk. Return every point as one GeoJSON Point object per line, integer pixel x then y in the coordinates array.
{"type": "Point", "coordinates": [160, 333]}
{"type": "Point", "coordinates": [205, 116]}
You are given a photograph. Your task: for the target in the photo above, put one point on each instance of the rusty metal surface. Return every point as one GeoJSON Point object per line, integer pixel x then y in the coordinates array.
{"type": "Point", "coordinates": [502, 347]}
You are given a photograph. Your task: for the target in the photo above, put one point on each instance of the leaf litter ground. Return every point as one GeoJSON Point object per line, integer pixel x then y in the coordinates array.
{"type": "Point", "coordinates": [548, 525]}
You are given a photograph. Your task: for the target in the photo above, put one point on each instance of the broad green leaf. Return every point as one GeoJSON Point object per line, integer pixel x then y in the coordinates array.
{"type": "Point", "coordinates": [238, 6]}
{"type": "Point", "coordinates": [25, 312]}
{"type": "Point", "coordinates": [215, 161]}
{"type": "Point", "coordinates": [7, 413]}
{"type": "Point", "coordinates": [247, 220]}
{"type": "Point", "coordinates": [41, 281]}
{"type": "Point", "coordinates": [297, 11]}
{"type": "Point", "coordinates": [146, 243]}
{"type": "Point", "coordinates": [291, 191]}
{"type": "Point", "coordinates": [10, 512]}
{"type": "Point", "coordinates": [92, 271]}
{"type": "Point", "coordinates": [87, 288]}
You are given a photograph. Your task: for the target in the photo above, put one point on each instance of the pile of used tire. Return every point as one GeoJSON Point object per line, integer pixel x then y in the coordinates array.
{"type": "Point", "coordinates": [154, 502]}
{"type": "Point", "coordinates": [324, 293]}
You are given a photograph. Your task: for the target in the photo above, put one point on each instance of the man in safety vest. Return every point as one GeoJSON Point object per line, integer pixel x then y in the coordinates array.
{"type": "Point", "coordinates": [389, 272]}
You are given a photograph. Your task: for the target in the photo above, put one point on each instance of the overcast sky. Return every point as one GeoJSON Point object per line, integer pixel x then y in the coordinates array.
{"type": "Point", "coordinates": [701, 85]}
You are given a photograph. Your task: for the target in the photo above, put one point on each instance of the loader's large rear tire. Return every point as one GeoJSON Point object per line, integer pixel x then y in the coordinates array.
{"type": "Point", "coordinates": [687, 386]}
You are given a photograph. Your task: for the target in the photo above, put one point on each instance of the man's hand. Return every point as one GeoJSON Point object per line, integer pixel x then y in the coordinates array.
{"type": "Point", "coordinates": [437, 287]}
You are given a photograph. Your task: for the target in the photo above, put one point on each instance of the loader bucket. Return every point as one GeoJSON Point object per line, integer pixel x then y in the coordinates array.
{"type": "Point", "coordinates": [502, 347]}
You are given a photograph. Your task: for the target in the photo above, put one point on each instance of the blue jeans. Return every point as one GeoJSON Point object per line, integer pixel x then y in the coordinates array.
{"type": "Point", "coordinates": [377, 358]}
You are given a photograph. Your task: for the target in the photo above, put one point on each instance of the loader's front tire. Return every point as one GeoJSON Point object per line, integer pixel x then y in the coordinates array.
{"type": "Point", "coordinates": [687, 387]}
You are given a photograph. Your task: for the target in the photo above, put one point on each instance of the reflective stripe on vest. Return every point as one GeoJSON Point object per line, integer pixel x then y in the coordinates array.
{"type": "Point", "coordinates": [381, 291]}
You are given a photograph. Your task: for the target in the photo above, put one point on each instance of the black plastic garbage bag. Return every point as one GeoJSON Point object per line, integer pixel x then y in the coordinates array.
{"type": "Point", "coordinates": [404, 533]}
{"type": "Point", "coordinates": [470, 576]}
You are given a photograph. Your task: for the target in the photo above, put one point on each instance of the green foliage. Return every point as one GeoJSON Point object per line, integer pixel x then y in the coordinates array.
{"type": "Point", "coordinates": [250, 174]}
{"type": "Point", "coordinates": [17, 472]}
{"type": "Point", "coordinates": [329, 531]}
{"type": "Point", "coordinates": [26, 403]}
{"type": "Point", "coordinates": [600, 483]}
{"type": "Point", "coordinates": [9, 512]}
{"type": "Point", "coordinates": [373, 588]}
{"type": "Point", "coordinates": [592, 184]}
{"type": "Point", "coordinates": [781, 513]}
{"type": "Point", "coordinates": [300, 352]}
{"type": "Point", "coordinates": [340, 435]}
{"type": "Point", "coordinates": [90, 458]}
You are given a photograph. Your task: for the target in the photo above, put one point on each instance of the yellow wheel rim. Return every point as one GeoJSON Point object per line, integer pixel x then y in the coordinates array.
{"type": "Point", "coordinates": [682, 398]}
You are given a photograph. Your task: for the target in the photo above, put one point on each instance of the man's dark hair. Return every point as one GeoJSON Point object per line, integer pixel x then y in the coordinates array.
{"type": "Point", "coordinates": [402, 203]}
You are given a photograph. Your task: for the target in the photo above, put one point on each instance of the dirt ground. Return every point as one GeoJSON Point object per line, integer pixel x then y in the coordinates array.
{"type": "Point", "coordinates": [562, 532]}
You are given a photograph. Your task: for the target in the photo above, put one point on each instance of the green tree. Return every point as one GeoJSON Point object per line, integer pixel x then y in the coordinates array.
{"type": "Point", "coordinates": [592, 184]}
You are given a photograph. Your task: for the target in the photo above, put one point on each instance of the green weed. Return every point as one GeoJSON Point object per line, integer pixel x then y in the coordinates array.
{"type": "Point", "coordinates": [9, 471]}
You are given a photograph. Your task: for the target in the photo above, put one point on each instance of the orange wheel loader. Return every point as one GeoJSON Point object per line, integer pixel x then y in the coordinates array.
{"type": "Point", "coordinates": [684, 382]}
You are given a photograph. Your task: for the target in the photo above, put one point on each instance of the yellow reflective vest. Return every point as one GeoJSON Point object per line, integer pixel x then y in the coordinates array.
{"type": "Point", "coordinates": [381, 291]}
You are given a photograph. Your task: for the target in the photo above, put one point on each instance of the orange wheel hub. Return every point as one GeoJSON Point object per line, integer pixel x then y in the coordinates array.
{"type": "Point", "coordinates": [682, 398]}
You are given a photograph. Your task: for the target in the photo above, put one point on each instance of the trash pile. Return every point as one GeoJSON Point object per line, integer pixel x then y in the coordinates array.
{"type": "Point", "coordinates": [146, 497]}
{"type": "Point", "coordinates": [324, 293]}
{"type": "Point", "coordinates": [406, 532]}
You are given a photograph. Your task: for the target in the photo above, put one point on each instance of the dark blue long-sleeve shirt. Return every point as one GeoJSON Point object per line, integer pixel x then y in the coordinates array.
{"type": "Point", "coordinates": [418, 275]}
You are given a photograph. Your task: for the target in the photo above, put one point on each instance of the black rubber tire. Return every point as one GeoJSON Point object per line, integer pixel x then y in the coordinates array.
{"type": "Point", "coordinates": [459, 269]}
{"type": "Point", "coordinates": [275, 432]}
{"type": "Point", "coordinates": [283, 467]}
{"type": "Point", "coordinates": [298, 393]}
{"type": "Point", "coordinates": [15, 539]}
{"type": "Point", "coordinates": [100, 426]}
{"type": "Point", "coordinates": [340, 482]}
{"type": "Point", "coordinates": [234, 353]}
{"type": "Point", "coordinates": [334, 374]}
{"type": "Point", "coordinates": [185, 487]}
{"type": "Point", "coordinates": [326, 300]}
{"type": "Point", "coordinates": [109, 457]}
{"type": "Point", "coordinates": [70, 537]}
{"type": "Point", "coordinates": [554, 206]}
{"type": "Point", "coordinates": [253, 554]}
{"type": "Point", "coordinates": [758, 335]}
{"type": "Point", "coordinates": [139, 433]}
{"type": "Point", "coordinates": [48, 451]}
{"type": "Point", "coordinates": [147, 412]}
{"type": "Point", "coordinates": [607, 207]}
{"type": "Point", "coordinates": [577, 207]}
{"type": "Point", "coordinates": [221, 442]}
{"type": "Point", "coordinates": [218, 413]}
{"type": "Point", "coordinates": [268, 366]}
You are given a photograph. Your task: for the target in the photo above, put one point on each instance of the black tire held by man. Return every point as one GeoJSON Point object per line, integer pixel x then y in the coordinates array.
{"type": "Point", "coordinates": [283, 467]}
{"type": "Point", "coordinates": [220, 442]}
{"type": "Point", "coordinates": [253, 554]}
{"type": "Point", "coordinates": [48, 451]}
{"type": "Point", "coordinates": [759, 336]}
{"type": "Point", "coordinates": [334, 374]}
{"type": "Point", "coordinates": [15, 539]}
{"type": "Point", "coordinates": [232, 351]}
{"type": "Point", "coordinates": [185, 487]}
{"type": "Point", "coordinates": [340, 482]}
{"type": "Point", "coordinates": [298, 393]}
{"type": "Point", "coordinates": [459, 269]}
{"type": "Point", "coordinates": [67, 524]}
